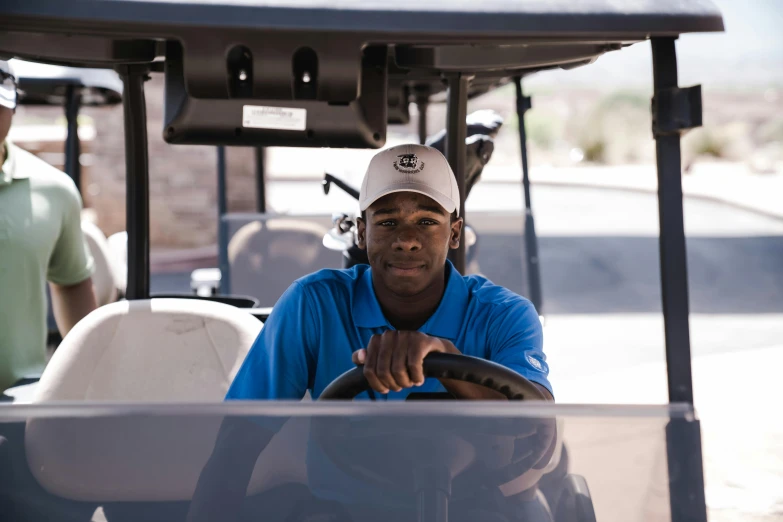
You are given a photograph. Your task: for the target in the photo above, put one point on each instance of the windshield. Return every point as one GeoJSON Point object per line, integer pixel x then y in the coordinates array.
{"type": "Point", "coordinates": [364, 460]}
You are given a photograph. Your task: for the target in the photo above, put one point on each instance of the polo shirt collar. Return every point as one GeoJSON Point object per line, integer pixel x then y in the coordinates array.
{"type": "Point", "coordinates": [366, 309]}
{"type": "Point", "coordinates": [9, 171]}
{"type": "Point", "coordinates": [445, 323]}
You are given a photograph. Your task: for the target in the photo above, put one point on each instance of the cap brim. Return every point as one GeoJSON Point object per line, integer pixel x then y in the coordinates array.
{"type": "Point", "coordinates": [439, 198]}
{"type": "Point", "coordinates": [8, 97]}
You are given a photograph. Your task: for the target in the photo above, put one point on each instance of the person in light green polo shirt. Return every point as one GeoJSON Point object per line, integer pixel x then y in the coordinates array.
{"type": "Point", "coordinates": [40, 240]}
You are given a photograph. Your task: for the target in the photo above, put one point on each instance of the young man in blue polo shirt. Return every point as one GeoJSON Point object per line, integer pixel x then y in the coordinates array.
{"type": "Point", "coordinates": [388, 316]}
{"type": "Point", "coordinates": [410, 301]}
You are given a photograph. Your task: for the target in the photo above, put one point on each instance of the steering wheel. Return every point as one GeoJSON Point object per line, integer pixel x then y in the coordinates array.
{"type": "Point", "coordinates": [434, 457]}
{"type": "Point", "coordinates": [446, 366]}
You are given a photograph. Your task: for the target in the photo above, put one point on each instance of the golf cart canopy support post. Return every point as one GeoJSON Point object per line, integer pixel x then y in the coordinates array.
{"type": "Point", "coordinates": [222, 199]}
{"type": "Point", "coordinates": [260, 153]}
{"type": "Point", "coordinates": [73, 166]}
{"type": "Point", "coordinates": [456, 132]}
{"type": "Point", "coordinates": [137, 210]}
{"type": "Point", "coordinates": [686, 485]}
{"type": "Point", "coordinates": [674, 273]}
{"type": "Point", "coordinates": [531, 241]}
{"type": "Point", "coordinates": [422, 104]}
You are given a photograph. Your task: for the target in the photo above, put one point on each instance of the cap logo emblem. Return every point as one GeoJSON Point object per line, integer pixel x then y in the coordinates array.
{"type": "Point", "coordinates": [408, 164]}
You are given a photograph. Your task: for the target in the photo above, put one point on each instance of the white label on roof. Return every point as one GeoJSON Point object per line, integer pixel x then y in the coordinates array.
{"type": "Point", "coordinates": [279, 118]}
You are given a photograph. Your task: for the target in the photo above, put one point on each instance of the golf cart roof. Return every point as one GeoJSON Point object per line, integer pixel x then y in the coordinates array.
{"type": "Point", "coordinates": [404, 21]}
{"type": "Point", "coordinates": [340, 61]}
{"type": "Point", "coordinates": [43, 84]}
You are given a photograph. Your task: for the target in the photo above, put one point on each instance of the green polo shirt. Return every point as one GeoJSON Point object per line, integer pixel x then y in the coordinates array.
{"type": "Point", "coordinates": [40, 239]}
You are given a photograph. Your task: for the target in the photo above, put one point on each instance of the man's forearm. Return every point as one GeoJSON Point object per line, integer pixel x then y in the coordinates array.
{"type": "Point", "coordinates": [72, 303]}
{"type": "Point", "coordinates": [223, 482]}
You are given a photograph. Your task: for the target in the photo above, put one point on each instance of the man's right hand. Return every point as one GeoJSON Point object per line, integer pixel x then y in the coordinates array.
{"type": "Point", "coordinates": [395, 359]}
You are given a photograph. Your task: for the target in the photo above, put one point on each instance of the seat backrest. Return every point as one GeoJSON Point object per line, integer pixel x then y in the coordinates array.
{"type": "Point", "coordinates": [105, 277]}
{"type": "Point", "coordinates": [167, 350]}
{"type": "Point", "coordinates": [118, 249]}
{"type": "Point", "coordinates": [157, 350]}
{"type": "Point", "coordinates": [267, 255]}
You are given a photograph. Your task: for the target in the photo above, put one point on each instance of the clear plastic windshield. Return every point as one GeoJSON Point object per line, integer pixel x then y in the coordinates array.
{"type": "Point", "coordinates": [349, 461]}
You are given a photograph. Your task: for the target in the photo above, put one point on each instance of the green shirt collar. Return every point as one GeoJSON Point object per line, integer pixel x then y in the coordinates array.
{"type": "Point", "coordinates": [10, 172]}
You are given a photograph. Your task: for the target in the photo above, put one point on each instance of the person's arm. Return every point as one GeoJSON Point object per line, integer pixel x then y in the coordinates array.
{"type": "Point", "coordinates": [71, 303]}
{"type": "Point", "coordinates": [278, 366]}
{"type": "Point", "coordinates": [222, 485]}
{"type": "Point", "coordinates": [70, 265]}
{"type": "Point", "coordinates": [282, 359]}
{"type": "Point", "coordinates": [516, 341]}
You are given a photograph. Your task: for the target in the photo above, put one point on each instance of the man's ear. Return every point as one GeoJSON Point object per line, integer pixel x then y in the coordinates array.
{"type": "Point", "coordinates": [361, 234]}
{"type": "Point", "coordinates": [456, 233]}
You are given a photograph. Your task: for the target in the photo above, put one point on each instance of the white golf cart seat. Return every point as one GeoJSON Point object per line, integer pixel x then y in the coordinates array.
{"type": "Point", "coordinates": [159, 350]}
{"type": "Point", "coordinates": [105, 278]}
{"type": "Point", "coordinates": [118, 247]}
{"type": "Point", "coordinates": [267, 255]}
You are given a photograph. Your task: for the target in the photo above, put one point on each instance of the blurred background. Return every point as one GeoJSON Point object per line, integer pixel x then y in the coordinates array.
{"type": "Point", "coordinates": [594, 181]}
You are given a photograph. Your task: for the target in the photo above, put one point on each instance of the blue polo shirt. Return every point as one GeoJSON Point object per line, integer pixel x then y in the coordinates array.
{"type": "Point", "coordinates": [321, 319]}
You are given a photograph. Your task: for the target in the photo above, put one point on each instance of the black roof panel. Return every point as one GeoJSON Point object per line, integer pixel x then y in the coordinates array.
{"type": "Point", "coordinates": [383, 19]}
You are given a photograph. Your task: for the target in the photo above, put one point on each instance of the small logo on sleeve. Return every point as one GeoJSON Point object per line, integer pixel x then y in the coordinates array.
{"type": "Point", "coordinates": [535, 363]}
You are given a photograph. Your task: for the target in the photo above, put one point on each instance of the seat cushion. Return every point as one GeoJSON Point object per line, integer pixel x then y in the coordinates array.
{"type": "Point", "coordinates": [170, 351]}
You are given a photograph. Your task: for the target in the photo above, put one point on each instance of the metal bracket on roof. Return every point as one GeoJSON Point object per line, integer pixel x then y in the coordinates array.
{"type": "Point", "coordinates": [676, 110]}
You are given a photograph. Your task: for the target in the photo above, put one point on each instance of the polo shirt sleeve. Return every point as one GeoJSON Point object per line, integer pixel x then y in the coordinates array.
{"type": "Point", "coordinates": [517, 342]}
{"type": "Point", "coordinates": [70, 262]}
{"type": "Point", "coordinates": [279, 364]}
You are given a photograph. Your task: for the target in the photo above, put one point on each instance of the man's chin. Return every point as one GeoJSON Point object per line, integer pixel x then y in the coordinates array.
{"type": "Point", "coordinates": [406, 287]}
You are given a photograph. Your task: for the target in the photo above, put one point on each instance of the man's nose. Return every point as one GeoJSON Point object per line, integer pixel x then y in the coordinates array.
{"type": "Point", "coordinates": [407, 240]}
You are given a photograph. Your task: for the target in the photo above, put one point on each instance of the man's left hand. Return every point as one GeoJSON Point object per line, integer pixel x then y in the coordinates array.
{"type": "Point", "coordinates": [395, 359]}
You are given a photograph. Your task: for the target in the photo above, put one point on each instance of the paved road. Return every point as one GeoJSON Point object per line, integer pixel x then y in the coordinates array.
{"type": "Point", "coordinates": [599, 248]}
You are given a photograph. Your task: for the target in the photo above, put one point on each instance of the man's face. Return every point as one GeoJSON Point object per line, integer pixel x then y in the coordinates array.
{"type": "Point", "coordinates": [6, 115]}
{"type": "Point", "coordinates": [407, 237]}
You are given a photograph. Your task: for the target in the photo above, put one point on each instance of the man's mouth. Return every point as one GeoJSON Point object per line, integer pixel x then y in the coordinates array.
{"type": "Point", "coordinates": [406, 268]}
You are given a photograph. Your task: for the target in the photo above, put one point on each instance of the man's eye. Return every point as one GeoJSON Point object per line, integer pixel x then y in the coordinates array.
{"type": "Point", "coordinates": [388, 223]}
{"type": "Point", "coordinates": [428, 222]}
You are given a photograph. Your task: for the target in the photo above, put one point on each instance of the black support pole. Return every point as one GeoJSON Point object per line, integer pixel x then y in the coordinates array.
{"type": "Point", "coordinates": [137, 180]}
{"type": "Point", "coordinates": [456, 132]}
{"type": "Point", "coordinates": [531, 240]}
{"type": "Point", "coordinates": [686, 476]}
{"type": "Point", "coordinates": [222, 201]}
{"type": "Point", "coordinates": [674, 273]}
{"type": "Point", "coordinates": [72, 144]}
{"type": "Point", "coordinates": [261, 179]}
{"type": "Point", "coordinates": [422, 104]}
{"type": "Point", "coordinates": [222, 198]}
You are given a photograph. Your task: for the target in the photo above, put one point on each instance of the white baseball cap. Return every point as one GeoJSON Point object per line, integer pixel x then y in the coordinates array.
{"type": "Point", "coordinates": [8, 89]}
{"type": "Point", "coordinates": [410, 168]}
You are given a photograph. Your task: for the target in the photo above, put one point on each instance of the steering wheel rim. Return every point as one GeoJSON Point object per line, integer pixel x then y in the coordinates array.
{"type": "Point", "coordinates": [463, 368]}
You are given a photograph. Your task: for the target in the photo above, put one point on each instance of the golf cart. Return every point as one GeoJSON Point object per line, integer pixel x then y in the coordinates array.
{"type": "Point", "coordinates": [129, 409]}
{"type": "Point", "coordinates": [72, 88]}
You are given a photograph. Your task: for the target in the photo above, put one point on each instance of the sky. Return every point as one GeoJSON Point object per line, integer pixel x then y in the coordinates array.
{"type": "Point", "coordinates": [748, 54]}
